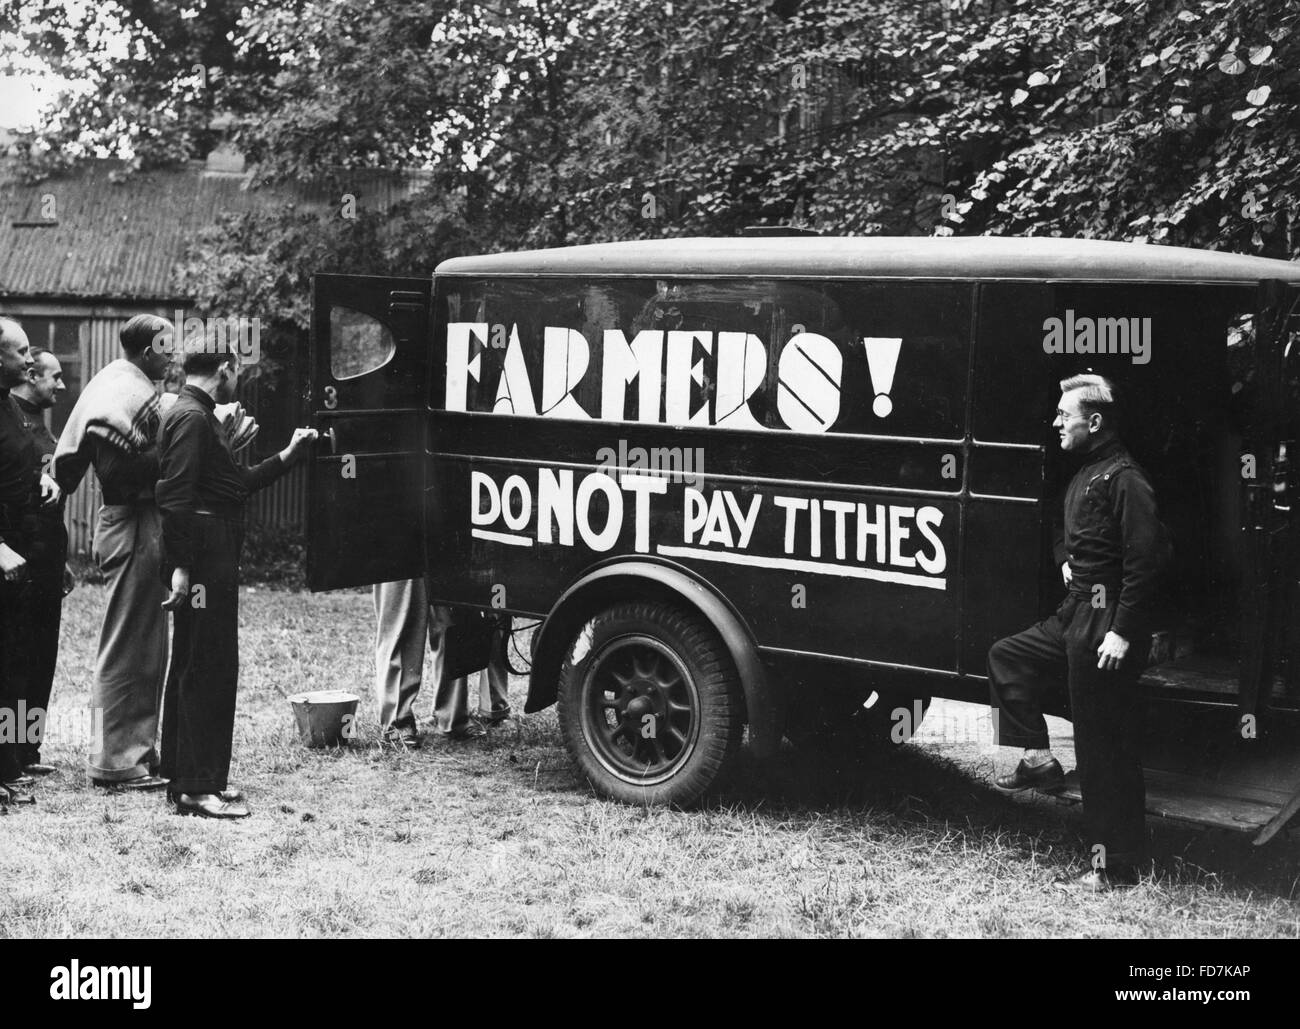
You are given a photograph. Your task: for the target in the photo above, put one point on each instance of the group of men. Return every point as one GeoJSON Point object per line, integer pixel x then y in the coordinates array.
{"type": "Point", "coordinates": [167, 539]}
{"type": "Point", "coordinates": [33, 546]}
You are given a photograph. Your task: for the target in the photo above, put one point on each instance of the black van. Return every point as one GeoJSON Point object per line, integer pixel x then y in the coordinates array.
{"type": "Point", "coordinates": [768, 481]}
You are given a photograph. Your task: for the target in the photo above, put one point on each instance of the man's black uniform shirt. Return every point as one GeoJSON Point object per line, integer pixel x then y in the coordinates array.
{"type": "Point", "coordinates": [34, 421]}
{"type": "Point", "coordinates": [20, 473]}
{"type": "Point", "coordinates": [199, 472]}
{"type": "Point", "coordinates": [1111, 535]}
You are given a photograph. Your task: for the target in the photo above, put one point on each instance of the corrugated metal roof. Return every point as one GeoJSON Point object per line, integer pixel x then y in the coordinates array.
{"type": "Point", "coordinates": [121, 240]}
{"type": "Point", "coordinates": [883, 256]}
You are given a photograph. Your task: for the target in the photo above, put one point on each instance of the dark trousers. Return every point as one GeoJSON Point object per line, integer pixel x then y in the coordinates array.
{"type": "Point", "coordinates": [14, 654]}
{"type": "Point", "coordinates": [45, 614]}
{"type": "Point", "coordinates": [199, 699]}
{"type": "Point", "coordinates": [1060, 654]}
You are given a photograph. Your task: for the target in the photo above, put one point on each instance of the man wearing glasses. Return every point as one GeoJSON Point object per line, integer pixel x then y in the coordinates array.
{"type": "Point", "coordinates": [1110, 553]}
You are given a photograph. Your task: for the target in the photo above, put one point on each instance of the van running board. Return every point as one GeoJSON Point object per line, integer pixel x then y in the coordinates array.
{"type": "Point", "coordinates": [1197, 801]}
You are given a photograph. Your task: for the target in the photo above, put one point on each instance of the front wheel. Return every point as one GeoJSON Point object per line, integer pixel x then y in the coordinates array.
{"type": "Point", "coordinates": [650, 704]}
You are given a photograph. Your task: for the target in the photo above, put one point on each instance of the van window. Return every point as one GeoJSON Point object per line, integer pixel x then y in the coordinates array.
{"type": "Point", "coordinates": [802, 356]}
{"type": "Point", "coordinates": [1015, 381]}
{"type": "Point", "coordinates": [359, 343]}
{"type": "Point", "coordinates": [1162, 345]}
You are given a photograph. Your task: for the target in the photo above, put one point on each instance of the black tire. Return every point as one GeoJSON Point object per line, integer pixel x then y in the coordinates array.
{"type": "Point", "coordinates": [638, 668]}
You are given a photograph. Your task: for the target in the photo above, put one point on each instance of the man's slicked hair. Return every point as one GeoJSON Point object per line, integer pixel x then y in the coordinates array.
{"type": "Point", "coordinates": [141, 331]}
{"type": "Point", "coordinates": [206, 351]}
{"type": "Point", "coordinates": [1097, 395]}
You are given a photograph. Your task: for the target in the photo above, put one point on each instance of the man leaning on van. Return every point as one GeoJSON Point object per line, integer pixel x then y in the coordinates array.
{"type": "Point", "coordinates": [1110, 554]}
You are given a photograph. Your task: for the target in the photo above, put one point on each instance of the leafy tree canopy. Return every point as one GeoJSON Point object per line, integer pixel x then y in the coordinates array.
{"type": "Point", "coordinates": [549, 122]}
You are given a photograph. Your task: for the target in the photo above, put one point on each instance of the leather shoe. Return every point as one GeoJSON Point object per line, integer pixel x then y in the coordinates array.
{"type": "Point", "coordinates": [14, 793]}
{"type": "Point", "coordinates": [22, 782]}
{"type": "Point", "coordinates": [495, 716]}
{"type": "Point", "coordinates": [472, 730]}
{"type": "Point", "coordinates": [36, 768]}
{"type": "Point", "coordinates": [1038, 777]}
{"type": "Point", "coordinates": [209, 805]}
{"type": "Point", "coordinates": [229, 795]}
{"type": "Point", "coordinates": [140, 782]}
{"type": "Point", "coordinates": [403, 737]}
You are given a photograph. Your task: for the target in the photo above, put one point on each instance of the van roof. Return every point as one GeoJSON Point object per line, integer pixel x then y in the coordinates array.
{"type": "Point", "coordinates": [963, 257]}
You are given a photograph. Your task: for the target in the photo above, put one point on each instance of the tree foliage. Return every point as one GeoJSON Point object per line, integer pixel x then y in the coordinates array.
{"type": "Point", "coordinates": [1156, 121]}
{"type": "Point", "coordinates": [551, 122]}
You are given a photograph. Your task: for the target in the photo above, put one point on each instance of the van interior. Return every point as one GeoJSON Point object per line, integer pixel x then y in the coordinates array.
{"type": "Point", "coordinates": [1219, 442]}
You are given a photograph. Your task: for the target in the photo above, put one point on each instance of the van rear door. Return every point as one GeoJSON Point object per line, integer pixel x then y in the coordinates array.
{"type": "Point", "coordinates": [1269, 523]}
{"type": "Point", "coordinates": [369, 369]}
{"type": "Point", "coordinates": [1238, 768]}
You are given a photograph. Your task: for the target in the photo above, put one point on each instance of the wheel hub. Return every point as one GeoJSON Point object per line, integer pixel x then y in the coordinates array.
{"type": "Point", "coordinates": [641, 709]}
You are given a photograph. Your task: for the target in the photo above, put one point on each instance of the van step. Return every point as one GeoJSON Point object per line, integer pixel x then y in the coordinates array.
{"type": "Point", "coordinates": [1195, 800]}
{"type": "Point", "coordinates": [1210, 676]}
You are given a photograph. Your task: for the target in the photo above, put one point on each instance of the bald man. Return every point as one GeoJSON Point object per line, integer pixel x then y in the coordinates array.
{"type": "Point", "coordinates": [19, 488]}
{"type": "Point", "coordinates": [48, 578]}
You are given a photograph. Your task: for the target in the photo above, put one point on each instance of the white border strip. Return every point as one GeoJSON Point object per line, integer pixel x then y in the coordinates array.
{"type": "Point", "coordinates": [795, 565]}
{"type": "Point", "coordinates": [502, 537]}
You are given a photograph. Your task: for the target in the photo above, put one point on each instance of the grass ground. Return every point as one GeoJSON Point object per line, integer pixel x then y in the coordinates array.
{"type": "Point", "coordinates": [500, 837]}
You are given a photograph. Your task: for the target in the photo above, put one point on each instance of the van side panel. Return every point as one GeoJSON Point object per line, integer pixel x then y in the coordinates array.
{"type": "Point", "coordinates": [1012, 403]}
{"type": "Point", "coordinates": [798, 446]}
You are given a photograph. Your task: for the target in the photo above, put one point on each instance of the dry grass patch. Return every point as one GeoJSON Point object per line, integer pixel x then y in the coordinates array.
{"type": "Point", "coordinates": [500, 837]}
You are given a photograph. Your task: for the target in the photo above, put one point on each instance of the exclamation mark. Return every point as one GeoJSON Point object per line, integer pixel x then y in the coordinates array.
{"type": "Point", "coordinates": [882, 360]}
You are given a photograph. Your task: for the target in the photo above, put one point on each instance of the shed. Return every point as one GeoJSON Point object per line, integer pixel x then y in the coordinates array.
{"type": "Point", "coordinates": [81, 254]}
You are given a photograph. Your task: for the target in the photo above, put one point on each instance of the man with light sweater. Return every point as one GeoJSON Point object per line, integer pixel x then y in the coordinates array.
{"type": "Point", "coordinates": [113, 427]}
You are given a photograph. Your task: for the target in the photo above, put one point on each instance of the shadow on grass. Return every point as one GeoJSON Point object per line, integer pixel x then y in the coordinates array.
{"type": "Point", "coordinates": [908, 788]}
{"type": "Point", "coordinates": [911, 792]}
